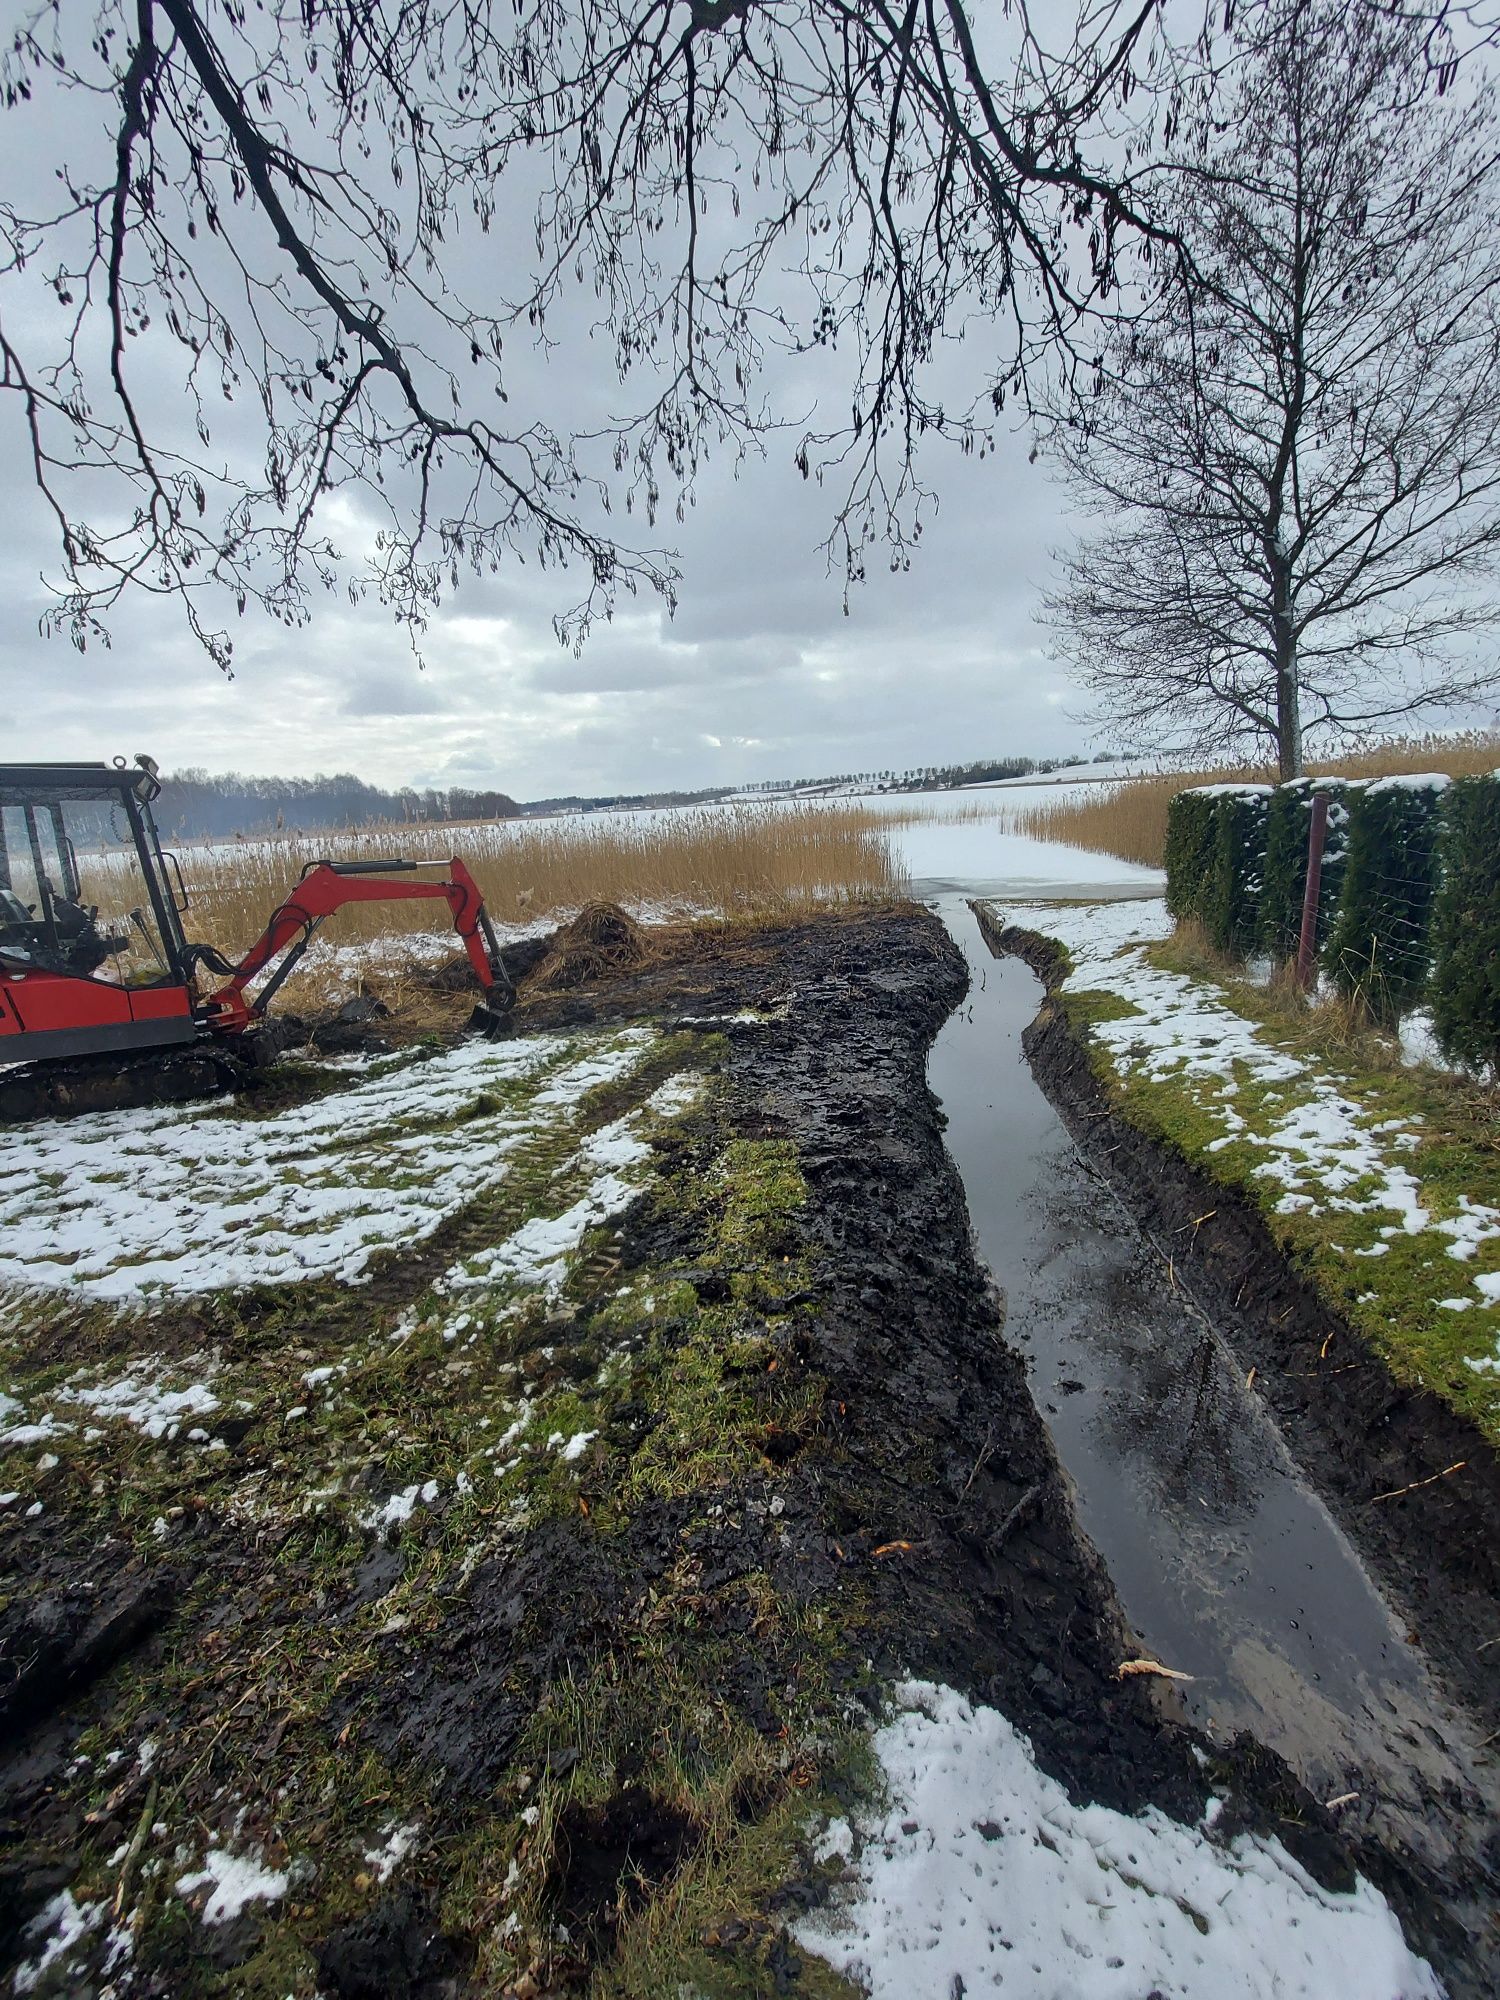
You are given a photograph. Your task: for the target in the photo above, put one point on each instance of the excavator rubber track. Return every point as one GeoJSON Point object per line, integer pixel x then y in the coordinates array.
{"type": "Point", "coordinates": [92, 1084]}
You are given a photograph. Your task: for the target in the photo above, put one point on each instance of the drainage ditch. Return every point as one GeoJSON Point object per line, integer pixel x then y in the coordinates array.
{"type": "Point", "coordinates": [1229, 1565]}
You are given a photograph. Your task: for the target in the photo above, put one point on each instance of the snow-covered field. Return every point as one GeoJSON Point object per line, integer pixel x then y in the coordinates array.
{"type": "Point", "coordinates": [985, 857]}
{"type": "Point", "coordinates": [136, 1207]}
{"type": "Point", "coordinates": [974, 818]}
{"type": "Point", "coordinates": [981, 1876]}
{"type": "Point", "coordinates": [129, 1204]}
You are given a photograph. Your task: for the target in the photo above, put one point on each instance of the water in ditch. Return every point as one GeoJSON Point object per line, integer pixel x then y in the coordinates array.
{"type": "Point", "coordinates": [1228, 1565]}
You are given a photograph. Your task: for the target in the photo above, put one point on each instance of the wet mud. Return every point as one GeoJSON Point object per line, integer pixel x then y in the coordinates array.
{"type": "Point", "coordinates": [924, 1507]}
{"type": "Point", "coordinates": [927, 1511]}
{"type": "Point", "coordinates": [894, 1491]}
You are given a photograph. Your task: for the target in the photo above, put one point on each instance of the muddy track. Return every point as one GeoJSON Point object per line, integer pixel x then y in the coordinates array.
{"type": "Point", "coordinates": [928, 1449]}
{"type": "Point", "coordinates": [928, 1515]}
{"type": "Point", "coordinates": [1354, 1429]}
{"type": "Point", "coordinates": [914, 1511]}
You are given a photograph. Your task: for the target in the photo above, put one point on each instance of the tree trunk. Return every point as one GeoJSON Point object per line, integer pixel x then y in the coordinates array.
{"type": "Point", "coordinates": [1288, 701]}
{"type": "Point", "coordinates": [1288, 717]}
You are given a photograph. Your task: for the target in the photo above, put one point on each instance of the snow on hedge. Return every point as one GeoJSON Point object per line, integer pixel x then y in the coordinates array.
{"type": "Point", "coordinates": [982, 1876]}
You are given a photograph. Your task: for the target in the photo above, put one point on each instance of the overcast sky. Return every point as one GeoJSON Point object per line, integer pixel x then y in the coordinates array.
{"type": "Point", "coordinates": [759, 674]}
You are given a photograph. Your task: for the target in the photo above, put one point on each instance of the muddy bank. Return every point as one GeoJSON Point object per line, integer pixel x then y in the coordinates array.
{"type": "Point", "coordinates": [918, 1500]}
{"type": "Point", "coordinates": [1357, 1433]}
{"type": "Point", "coordinates": [472, 1735]}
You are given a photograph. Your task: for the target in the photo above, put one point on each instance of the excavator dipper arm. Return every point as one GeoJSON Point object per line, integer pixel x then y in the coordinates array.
{"type": "Point", "coordinates": [329, 886]}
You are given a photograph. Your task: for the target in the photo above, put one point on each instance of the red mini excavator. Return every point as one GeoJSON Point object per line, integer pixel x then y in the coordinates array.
{"type": "Point", "coordinates": [75, 838]}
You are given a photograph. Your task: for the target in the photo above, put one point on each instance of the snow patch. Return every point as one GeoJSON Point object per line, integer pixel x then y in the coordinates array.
{"type": "Point", "coordinates": [233, 1880]}
{"type": "Point", "coordinates": [17, 1430]}
{"type": "Point", "coordinates": [179, 1199]}
{"type": "Point", "coordinates": [139, 1398]}
{"type": "Point", "coordinates": [400, 1507]}
{"type": "Point", "coordinates": [1411, 781]}
{"type": "Point", "coordinates": [61, 1923]}
{"type": "Point", "coordinates": [398, 1843]}
{"type": "Point", "coordinates": [1004, 1885]}
{"type": "Point", "coordinates": [1323, 1150]}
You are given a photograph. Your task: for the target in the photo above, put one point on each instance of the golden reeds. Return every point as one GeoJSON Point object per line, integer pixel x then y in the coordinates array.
{"type": "Point", "coordinates": [1131, 820]}
{"type": "Point", "coordinates": [732, 862]}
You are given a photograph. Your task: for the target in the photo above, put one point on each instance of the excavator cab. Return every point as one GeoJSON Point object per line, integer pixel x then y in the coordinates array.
{"type": "Point", "coordinates": [93, 957]}
{"type": "Point", "coordinates": [92, 953]}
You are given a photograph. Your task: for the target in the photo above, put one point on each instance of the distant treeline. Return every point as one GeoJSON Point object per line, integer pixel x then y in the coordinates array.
{"type": "Point", "coordinates": [574, 802]}
{"type": "Point", "coordinates": [926, 777]}
{"type": "Point", "coordinates": [196, 805]}
{"type": "Point", "coordinates": [199, 806]}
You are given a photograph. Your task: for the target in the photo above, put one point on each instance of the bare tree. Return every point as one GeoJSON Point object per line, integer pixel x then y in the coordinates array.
{"type": "Point", "coordinates": [1296, 450]}
{"type": "Point", "coordinates": [254, 255]}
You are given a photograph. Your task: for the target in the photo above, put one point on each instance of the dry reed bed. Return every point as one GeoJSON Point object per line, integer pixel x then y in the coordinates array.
{"type": "Point", "coordinates": [1131, 820]}
{"type": "Point", "coordinates": [735, 862]}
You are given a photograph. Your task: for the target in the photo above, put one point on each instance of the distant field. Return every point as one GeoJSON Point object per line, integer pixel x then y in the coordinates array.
{"type": "Point", "coordinates": [728, 861]}
{"type": "Point", "coordinates": [1131, 821]}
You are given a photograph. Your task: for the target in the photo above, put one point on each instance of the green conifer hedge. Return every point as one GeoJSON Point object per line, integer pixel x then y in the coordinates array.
{"type": "Point", "coordinates": [1464, 988]}
{"type": "Point", "coordinates": [1410, 899]}
{"type": "Point", "coordinates": [1288, 819]}
{"type": "Point", "coordinates": [1189, 855]}
{"type": "Point", "coordinates": [1215, 859]}
{"type": "Point", "coordinates": [1378, 946]}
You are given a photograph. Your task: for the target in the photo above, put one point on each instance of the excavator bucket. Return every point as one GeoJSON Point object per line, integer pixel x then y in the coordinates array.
{"type": "Point", "coordinates": [490, 1022]}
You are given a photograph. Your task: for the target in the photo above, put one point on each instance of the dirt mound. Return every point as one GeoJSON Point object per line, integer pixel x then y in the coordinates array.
{"type": "Point", "coordinates": [601, 941]}
{"type": "Point", "coordinates": [456, 974]}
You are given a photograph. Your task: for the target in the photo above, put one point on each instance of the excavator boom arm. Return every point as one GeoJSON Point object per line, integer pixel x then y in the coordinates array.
{"type": "Point", "coordinates": [329, 886]}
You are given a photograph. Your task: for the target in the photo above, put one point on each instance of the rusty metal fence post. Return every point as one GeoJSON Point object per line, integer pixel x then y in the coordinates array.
{"type": "Point", "coordinates": [1307, 944]}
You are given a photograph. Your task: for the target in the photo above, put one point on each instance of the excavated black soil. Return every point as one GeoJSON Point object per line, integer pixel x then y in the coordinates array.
{"type": "Point", "coordinates": [923, 1512]}
{"type": "Point", "coordinates": [1355, 1430]}
{"type": "Point", "coordinates": [932, 1482]}
{"type": "Point", "coordinates": [611, 1857]}
{"type": "Point", "coordinates": [931, 1451]}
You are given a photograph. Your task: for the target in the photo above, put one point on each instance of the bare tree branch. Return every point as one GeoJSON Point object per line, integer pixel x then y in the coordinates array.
{"type": "Point", "coordinates": [251, 301]}
{"type": "Point", "coordinates": [1297, 448]}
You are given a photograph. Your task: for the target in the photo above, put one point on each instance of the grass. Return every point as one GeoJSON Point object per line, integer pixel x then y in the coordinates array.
{"type": "Point", "coordinates": [1386, 1288]}
{"type": "Point", "coordinates": [1131, 819]}
{"type": "Point", "coordinates": [265, 1689]}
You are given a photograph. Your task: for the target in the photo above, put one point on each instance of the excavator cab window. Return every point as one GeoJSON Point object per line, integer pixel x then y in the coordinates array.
{"type": "Point", "coordinates": [73, 897]}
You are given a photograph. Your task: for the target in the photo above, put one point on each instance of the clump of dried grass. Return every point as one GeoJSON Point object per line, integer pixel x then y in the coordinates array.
{"type": "Point", "coordinates": [602, 939]}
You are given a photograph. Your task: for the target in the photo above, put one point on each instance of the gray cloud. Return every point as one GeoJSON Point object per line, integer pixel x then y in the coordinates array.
{"type": "Point", "coordinates": [760, 673]}
{"type": "Point", "coordinates": [385, 692]}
